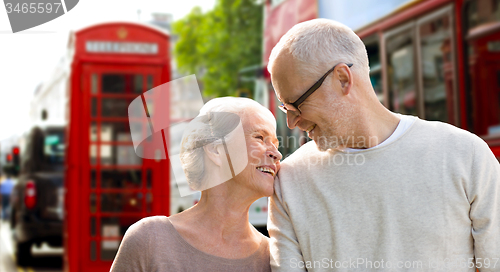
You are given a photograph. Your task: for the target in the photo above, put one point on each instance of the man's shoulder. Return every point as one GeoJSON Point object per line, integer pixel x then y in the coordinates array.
{"type": "Point", "coordinates": [445, 131]}
{"type": "Point", "coordinates": [443, 137]}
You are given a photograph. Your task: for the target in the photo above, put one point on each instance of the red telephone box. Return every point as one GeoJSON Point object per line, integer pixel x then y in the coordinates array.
{"type": "Point", "coordinates": [108, 187]}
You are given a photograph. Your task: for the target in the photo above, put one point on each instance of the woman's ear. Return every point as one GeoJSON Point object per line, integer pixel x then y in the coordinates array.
{"type": "Point", "coordinates": [213, 153]}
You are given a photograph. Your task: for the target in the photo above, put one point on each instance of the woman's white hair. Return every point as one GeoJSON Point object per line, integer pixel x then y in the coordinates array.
{"type": "Point", "coordinates": [319, 44]}
{"type": "Point", "coordinates": [192, 158]}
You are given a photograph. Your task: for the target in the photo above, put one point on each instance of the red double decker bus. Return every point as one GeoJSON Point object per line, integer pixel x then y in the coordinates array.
{"type": "Point", "coordinates": [435, 59]}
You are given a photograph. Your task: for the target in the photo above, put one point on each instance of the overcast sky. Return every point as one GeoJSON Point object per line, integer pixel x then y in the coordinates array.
{"type": "Point", "coordinates": [29, 57]}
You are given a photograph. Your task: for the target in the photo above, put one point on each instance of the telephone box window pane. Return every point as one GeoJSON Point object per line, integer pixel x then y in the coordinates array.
{"type": "Point", "coordinates": [93, 154]}
{"type": "Point", "coordinates": [437, 68]}
{"type": "Point", "coordinates": [149, 83]}
{"type": "Point", "coordinates": [114, 83]}
{"type": "Point", "coordinates": [106, 156]}
{"type": "Point", "coordinates": [92, 226]}
{"type": "Point", "coordinates": [93, 251]}
{"type": "Point", "coordinates": [149, 202]}
{"type": "Point", "coordinates": [138, 84]}
{"type": "Point", "coordinates": [401, 73]}
{"type": "Point", "coordinates": [115, 227]}
{"type": "Point", "coordinates": [117, 131]}
{"type": "Point", "coordinates": [93, 107]}
{"type": "Point", "coordinates": [93, 179]}
{"type": "Point", "coordinates": [93, 132]}
{"type": "Point", "coordinates": [115, 107]}
{"type": "Point", "coordinates": [127, 156]}
{"type": "Point", "coordinates": [119, 155]}
{"type": "Point", "coordinates": [94, 84]}
{"type": "Point", "coordinates": [109, 248]}
{"type": "Point", "coordinates": [112, 229]}
{"type": "Point", "coordinates": [121, 202]}
{"type": "Point", "coordinates": [121, 83]}
{"type": "Point", "coordinates": [148, 178]}
{"type": "Point", "coordinates": [111, 131]}
{"type": "Point", "coordinates": [93, 203]}
{"type": "Point", "coordinates": [121, 179]}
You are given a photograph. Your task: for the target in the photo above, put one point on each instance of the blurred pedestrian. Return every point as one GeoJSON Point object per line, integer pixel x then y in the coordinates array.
{"type": "Point", "coordinates": [374, 189]}
{"type": "Point", "coordinates": [5, 191]}
{"type": "Point", "coordinates": [215, 234]}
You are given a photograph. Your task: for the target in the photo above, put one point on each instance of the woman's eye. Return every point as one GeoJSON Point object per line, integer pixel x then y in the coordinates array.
{"type": "Point", "coordinates": [260, 137]}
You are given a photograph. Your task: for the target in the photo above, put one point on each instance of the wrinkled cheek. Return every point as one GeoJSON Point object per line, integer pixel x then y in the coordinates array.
{"type": "Point", "coordinates": [255, 157]}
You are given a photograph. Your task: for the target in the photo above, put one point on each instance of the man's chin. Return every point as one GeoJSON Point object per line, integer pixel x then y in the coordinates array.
{"type": "Point", "coordinates": [323, 145]}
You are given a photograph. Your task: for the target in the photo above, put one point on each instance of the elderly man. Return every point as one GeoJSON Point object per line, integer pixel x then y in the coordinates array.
{"type": "Point", "coordinates": [374, 190]}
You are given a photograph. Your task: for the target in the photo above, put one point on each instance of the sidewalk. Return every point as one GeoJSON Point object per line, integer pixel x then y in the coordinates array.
{"type": "Point", "coordinates": [7, 261]}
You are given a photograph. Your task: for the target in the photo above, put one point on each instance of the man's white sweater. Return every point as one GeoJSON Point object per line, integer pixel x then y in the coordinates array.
{"type": "Point", "coordinates": [428, 201]}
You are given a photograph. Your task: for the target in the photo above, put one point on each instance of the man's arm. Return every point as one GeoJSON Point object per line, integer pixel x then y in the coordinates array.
{"type": "Point", "coordinates": [485, 208]}
{"type": "Point", "coordinates": [286, 254]}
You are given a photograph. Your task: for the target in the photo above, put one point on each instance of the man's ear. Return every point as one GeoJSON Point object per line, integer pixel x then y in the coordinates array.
{"type": "Point", "coordinates": [213, 153]}
{"type": "Point", "coordinates": [345, 78]}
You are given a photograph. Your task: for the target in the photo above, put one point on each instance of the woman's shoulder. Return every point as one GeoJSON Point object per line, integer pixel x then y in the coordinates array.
{"type": "Point", "coordinates": [137, 244]}
{"type": "Point", "coordinates": [146, 226]}
{"type": "Point", "coordinates": [151, 221]}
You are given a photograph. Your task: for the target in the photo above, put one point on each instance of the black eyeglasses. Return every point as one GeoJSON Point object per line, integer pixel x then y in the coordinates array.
{"type": "Point", "coordinates": [294, 107]}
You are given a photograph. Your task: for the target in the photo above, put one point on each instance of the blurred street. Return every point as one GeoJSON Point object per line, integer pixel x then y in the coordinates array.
{"type": "Point", "coordinates": [44, 258]}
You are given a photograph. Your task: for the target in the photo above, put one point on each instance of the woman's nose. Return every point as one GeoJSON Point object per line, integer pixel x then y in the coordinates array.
{"type": "Point", "coordinates": [274, 153]}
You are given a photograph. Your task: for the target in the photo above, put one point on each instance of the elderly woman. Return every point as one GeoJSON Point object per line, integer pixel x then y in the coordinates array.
{"type": "Point", "coordinates": [215, 234]}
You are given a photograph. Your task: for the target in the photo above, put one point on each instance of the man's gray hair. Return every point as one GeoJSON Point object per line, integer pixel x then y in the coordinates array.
{"type": "Point", "coordinates": [192, 158]}
{"type": "Point", "coordinates": [321, 43]}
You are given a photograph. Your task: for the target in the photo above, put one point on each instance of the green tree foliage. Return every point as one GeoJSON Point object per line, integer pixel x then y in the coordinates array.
{"type": "Point", "coordinates": [217, 44]}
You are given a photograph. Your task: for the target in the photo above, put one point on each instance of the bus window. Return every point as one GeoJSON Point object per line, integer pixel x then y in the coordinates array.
{"type": "Point", "coordinates": [436, 63]}
{"type": "Point", "coordinates": [373, 50]}
{"type": "Point", "coordinates": [481, 12]}
{"type": "Point", "coordinates": [401, 73]}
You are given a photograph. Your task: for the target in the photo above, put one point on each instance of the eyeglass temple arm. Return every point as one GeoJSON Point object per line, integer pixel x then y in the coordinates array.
{"type": "Point", "coordinates": [316, 86]}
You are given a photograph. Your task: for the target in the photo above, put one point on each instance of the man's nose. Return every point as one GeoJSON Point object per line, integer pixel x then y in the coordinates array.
{"type": "Point", "coordinates": [291, 119]}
